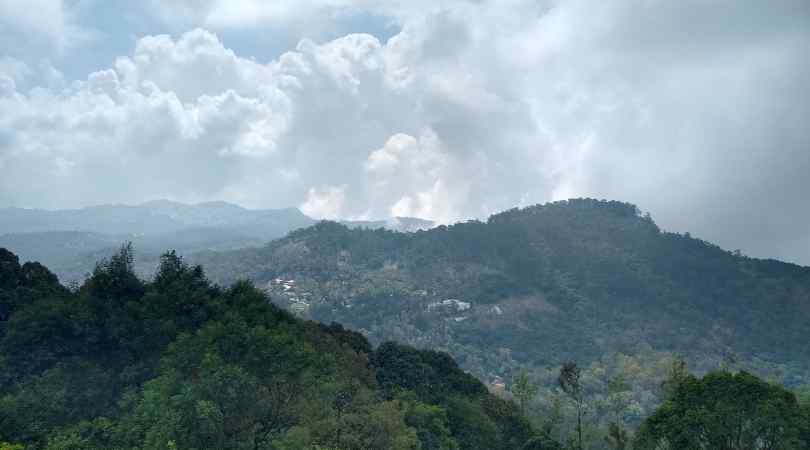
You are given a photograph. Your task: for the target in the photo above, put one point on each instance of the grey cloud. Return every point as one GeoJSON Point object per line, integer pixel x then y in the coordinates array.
{"type": "Point", "coordinates": [696, 111]}
{"type": "Point", "coordinates": [717, 141]}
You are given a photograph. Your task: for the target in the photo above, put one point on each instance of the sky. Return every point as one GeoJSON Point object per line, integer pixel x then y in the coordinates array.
{"type": "Point", "coordinates": [697, 111]}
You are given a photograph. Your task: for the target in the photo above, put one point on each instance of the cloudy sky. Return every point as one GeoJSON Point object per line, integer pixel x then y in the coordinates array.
{"type": "Point", "coordinates": [697, 111]}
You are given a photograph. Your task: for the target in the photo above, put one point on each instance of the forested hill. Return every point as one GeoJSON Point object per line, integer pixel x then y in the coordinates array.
{"type": "Point", "coordinates": [532, 287]}
{"type": "Point", "coordinates": [178, 363]}
{"type": "Point", "coordinates": [70, 241]}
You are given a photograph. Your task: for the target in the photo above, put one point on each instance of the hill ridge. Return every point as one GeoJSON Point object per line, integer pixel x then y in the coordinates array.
{"type": "Point", "coordinates": [575, 279]}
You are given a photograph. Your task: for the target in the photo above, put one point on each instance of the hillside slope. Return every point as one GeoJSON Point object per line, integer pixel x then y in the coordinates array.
{"type": "Point", "coordinates": [533, 287]}
{"type": "Point", "coordinates": [155, 217]}
{"type": "Point", "coordinates": [180, 363]}
{"type": "Point", "coordinates": [70, 241]}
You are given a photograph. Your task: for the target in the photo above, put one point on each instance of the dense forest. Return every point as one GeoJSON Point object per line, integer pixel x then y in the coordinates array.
{"type": "Point", "coordinates": [529, 289]}
{"type": "Point", "coordinates": [179, 363]}
{"type": "Point", "coordinates": [577, 325]}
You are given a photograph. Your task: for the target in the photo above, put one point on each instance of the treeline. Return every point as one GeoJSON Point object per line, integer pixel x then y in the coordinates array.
{"type": "Point", "coordinates": [587, 280]}
{"type": "Point", "coordinates": [179, 363]}
{"type": "Point", "coordinates": [723, 410]}
{"type": "Point", "coordinates": [602, 264]}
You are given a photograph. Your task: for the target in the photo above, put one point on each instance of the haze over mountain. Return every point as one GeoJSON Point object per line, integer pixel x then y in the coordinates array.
{"type": "Point", "coordinates": [154, 218]}
{"type": "Point", "coordinates": [71, 241]}
{"type": "Point", "coordinates": [445, 110]}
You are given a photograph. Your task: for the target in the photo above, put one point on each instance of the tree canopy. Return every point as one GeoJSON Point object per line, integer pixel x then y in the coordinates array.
{"type": "Point", "coordinates": [726, 411]}
{"type": "Point", "coordinates": [179, 363]}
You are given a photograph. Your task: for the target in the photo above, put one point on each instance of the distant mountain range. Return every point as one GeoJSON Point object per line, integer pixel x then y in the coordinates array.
{"type": "Point", "coordinates": [154, 218]}
{"type": "Point", "coordinates": [71, 241]}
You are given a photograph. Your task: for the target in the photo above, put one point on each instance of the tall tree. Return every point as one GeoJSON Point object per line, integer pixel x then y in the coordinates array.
{"type": "Point", "coordinates": [570, 382]}
{"type": "Point", "coordinates": [524, 390]}
{"type": "Point", "coordinates": [618, 399]}
{"type": "Point", "coordinates": [678, 372]}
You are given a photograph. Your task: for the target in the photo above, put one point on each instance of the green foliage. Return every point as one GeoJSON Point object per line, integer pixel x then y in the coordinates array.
{"type": "Point", "coordinates": [470, 424]}
{"type": "Point", "coordinates": [618, 400]}
{"type": "Point", "coordinates": [432, 425]}
{"type": "Point", "coordinates": [618, 438]}
{"type": "Point", "coordinates": [804, 425]}
{"type": "Point", "coordinates": [431, 375]}
{"type": "Point", "coordinates": [7, 446]}
{"type": "Point", "coordinates": [523, 389]}
{"type": "Point", "coordinates": [724, 411]}
{"type": "Point", "coordinates": [541, 443]}
{"type": "Point", "coordinates": [178, 363]}
{"type": "Point", "coordinates": [21, 285]}
{"type": "Point", "coordinates": [582, 279]}
{"type": "Point", "coordinates": [570, 381]}
{"type": "Point", "coordinates": [475, 418]}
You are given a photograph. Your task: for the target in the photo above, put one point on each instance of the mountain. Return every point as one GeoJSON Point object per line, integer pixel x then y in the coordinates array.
{"type": "Point", "coordinates": [180, 363]}
{"type": "Point", "coordinates": [71, 241]}
{"type": "Point", "coordinates": [586, 280]}
{"type": "Point", "coordinates": [154, 218]}
{"type": "Point", "coordinates": [71, 253]}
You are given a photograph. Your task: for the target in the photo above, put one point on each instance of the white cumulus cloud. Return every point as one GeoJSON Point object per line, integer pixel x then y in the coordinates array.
{"type": "Point", "coordinates": [697, 111]}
